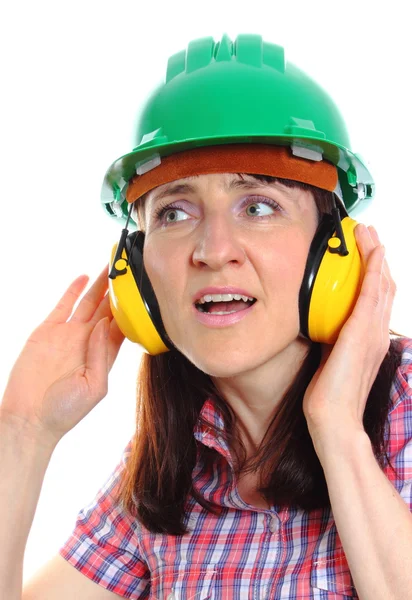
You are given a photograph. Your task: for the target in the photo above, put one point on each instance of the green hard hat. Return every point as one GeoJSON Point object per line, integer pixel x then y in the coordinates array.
{"type": "Point", "coordinates": [237, 92]}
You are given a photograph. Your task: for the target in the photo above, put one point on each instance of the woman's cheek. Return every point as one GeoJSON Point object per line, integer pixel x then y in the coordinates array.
{"type": "Point", "coordinates": [162, 268]}
{"type": "Point", "coordinates": [153, 265]}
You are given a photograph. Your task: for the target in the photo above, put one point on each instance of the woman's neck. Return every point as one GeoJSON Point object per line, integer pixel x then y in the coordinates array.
{"type": "Point", "coordinates": [254, 395]}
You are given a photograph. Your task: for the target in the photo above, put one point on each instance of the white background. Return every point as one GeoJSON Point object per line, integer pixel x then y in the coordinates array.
{"type": "Point", "coordinates": [73, 77]}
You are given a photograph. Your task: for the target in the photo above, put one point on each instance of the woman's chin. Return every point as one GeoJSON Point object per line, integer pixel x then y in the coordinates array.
{"type": "Point", "coordinates": [224, 362]}
{"type": "Point", "coordinates": [229, 360]}
{"type": "Point", "coordinates": [222, 371]}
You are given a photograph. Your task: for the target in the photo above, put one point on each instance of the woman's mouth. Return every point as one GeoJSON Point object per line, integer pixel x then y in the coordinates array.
{"type": "Point", "coordinates": [222, 313]}
{"type": "Point", "coordinates": [224, 307]}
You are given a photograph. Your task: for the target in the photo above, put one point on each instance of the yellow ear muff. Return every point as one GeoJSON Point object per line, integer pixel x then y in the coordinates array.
{"type": "Point", "coordinates": [331, 283]}
{"type": "Point", "coordinates": [132, 300]}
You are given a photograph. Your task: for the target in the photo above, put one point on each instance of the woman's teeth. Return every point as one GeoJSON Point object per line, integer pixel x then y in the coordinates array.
{"type": "Point", "coordinates": [233, 301]}
{"type": "Point", "coordinates": [223, 298]}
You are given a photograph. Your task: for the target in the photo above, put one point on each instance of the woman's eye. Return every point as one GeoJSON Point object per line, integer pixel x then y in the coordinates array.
{"type": "Point", "coordinates": [171, 215]}
{"type": "Point", "coordinates": [256, 207]}
{"type": "Point", "coordinates": [168, 214]}
{"type": "Point", "coordinates": [262, 207]}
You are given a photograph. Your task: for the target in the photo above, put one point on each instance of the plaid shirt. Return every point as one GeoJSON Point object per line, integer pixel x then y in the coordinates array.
{"type": "Point", "coordinates": [245, 552]}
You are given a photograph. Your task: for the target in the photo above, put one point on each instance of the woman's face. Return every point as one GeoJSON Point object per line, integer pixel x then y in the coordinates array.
{"type": "Point", "coordinates": [222, 231]}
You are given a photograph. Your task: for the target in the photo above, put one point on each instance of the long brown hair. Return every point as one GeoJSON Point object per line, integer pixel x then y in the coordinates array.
{"type": "Point", "coordinates": [157, 480]}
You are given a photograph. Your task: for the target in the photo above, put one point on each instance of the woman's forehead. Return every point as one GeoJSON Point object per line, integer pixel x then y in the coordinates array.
{"type": "Point", "coordinates": [228, 181]}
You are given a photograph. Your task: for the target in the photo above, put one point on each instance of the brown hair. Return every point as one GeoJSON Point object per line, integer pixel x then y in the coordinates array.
{"type": "Point", "coordinates": [157, 480]}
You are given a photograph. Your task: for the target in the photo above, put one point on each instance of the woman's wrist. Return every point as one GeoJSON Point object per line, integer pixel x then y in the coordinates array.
{"type": "Point", "coordinates": [26, 433]}
{"type": "Point", "coordinates": [334, 442]}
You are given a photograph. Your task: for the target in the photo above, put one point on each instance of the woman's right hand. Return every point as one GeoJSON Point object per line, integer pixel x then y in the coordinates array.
{"type": "Point", "coordinates": [62, 371]}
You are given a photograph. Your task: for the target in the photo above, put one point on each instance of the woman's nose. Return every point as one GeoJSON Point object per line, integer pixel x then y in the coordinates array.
{"type": "Point", "coordinates": [218, 243]}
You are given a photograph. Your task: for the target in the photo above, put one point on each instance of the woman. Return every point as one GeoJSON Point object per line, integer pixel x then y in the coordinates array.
{"type": "Point", "coordinates": [271, 455]}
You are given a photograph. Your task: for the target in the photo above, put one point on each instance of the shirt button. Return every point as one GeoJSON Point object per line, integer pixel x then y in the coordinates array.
{"type": "Point", "coordinates": [273, 524]}
{"type": "Point", "coordinates": [171, 597]}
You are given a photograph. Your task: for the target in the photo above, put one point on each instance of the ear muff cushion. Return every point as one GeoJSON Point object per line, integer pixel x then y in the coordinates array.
{"type": "Point", "coordinates": [134, 249]}
{"type": "Point", "coordinates": [318, 247]}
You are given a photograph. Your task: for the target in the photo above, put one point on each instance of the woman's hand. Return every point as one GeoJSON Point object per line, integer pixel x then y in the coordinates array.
{"type": "Point", "coordinates": [335, 400]}
{"type": "Point", "coordinates": [62, 371]}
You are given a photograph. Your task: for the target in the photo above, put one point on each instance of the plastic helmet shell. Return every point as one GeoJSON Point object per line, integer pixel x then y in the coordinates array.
{"type": "Point", "coordinates": [242, 91]}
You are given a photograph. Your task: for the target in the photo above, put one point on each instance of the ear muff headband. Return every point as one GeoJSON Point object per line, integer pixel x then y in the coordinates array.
{"type": "Point", "coordinates": [331, 283]}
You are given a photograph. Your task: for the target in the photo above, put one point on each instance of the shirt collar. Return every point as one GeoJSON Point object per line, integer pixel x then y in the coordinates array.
{"type": "Point", "coordinates": [211, 416]}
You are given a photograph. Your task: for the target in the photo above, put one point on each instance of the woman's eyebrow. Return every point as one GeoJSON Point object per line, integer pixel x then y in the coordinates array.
{"type": "Point", "coordinates": [185, 188]}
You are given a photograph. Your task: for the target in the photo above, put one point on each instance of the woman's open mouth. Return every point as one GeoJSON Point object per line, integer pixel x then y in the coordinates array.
{"type": "Point", "coordinates": [224, 307]}
{"type": "Point", "coordinates": [219, 311]}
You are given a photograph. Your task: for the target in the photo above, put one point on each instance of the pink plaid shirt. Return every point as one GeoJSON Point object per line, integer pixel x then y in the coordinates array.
{"type": "Point", "coordinates": [245, 552]}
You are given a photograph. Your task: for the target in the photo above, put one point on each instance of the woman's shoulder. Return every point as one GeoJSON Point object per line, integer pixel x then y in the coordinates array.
{"type": "Point", "coordinates": [401, 388]}
{"type": "Point", "coordinates": [399, 430]}
{"type": "Point", "coordinates": [403, 346]}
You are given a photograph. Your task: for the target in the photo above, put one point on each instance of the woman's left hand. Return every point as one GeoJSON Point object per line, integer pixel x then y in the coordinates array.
{"type": "Point", "coordinates": [335, 400]}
